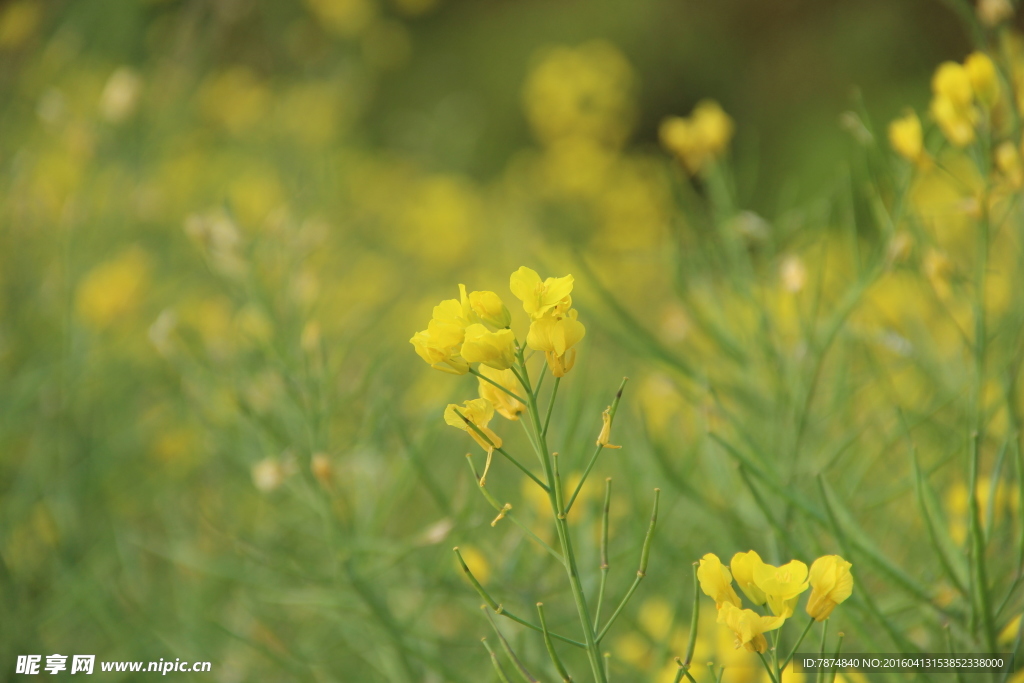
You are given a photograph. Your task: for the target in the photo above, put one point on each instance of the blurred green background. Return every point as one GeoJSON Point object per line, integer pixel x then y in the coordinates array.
{"type": "Point", "coordinates": [221, 221]}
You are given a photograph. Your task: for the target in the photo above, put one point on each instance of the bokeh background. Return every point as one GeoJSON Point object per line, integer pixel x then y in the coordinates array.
{"type": "Point", "coordinates": [222, 220]}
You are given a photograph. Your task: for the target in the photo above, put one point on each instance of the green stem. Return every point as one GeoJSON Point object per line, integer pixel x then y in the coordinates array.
{"type": "Point", "coordinates": [562, 527]}
{"type": "Point", "coordinates": [516, 662]}
{"type": "Point", "coordinates": [694, 618]}
{"type": "Point", "coordinates": [566, 678]}
{"type": "Point", "coordinates": [515, 462]}
{"type": "Point", "coordinates": [645, 553]}
{"type": "Point", "coordinates": [792, 652]}
{"type": "Point", "coordinates": [767, 667]}
{"type": "Point", "coordinates": [494, 662]}
{"type": "Point", "coordinates": [593, 459]}
{"type": "Point", "coordinates": [499, 609]}
{"type": "Point", "coordinates": [604, 550]}
{"type": "Point", "coordinates": [509, 515]}
{"type": "Point", "coordinates": [551, 406]}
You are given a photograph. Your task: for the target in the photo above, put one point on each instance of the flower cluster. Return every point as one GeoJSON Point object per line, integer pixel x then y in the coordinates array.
{"type": "Point", "coordinates": [699, 138]}
{"type": "Point", "coordinates": [779, 588]}
{"type": "Point", "coordinates": [476, 328]}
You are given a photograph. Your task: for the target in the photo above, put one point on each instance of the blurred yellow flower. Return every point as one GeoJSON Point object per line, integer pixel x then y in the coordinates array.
{"type": "Point", "coordinates": [742, 566]}
{"type": "Point", "coordinates": [716, 581]}
{"type": "Point", "coordinates": [505, 405]}
{"type": "Point", "coordinates": [556, 336]}
{"type": "Point", "coordinates": [494, 349]}
{"type": "Point", "coordinates": [782, 586]}
{"type": "Point", "coordinates": [582, 91]}
{"type": "Point", "coordinates": [994, 12]}
{"type": "Point", "coordinates": [479, 412]}
{"type": "Point", "coordinates": [700, 138]}
{"type": "Point", "coordinates": [748, 626]}
{"type": "Point", "coordinates": [831, 583]}
{"type": "Point", "coordinates": [984, 79]}
{"type": "Point", "coordinates": [540, 297]}
{"type": "Point", "coordinates": [345, 18]}
{"type": "Point", "coordinates": [953, 82]}
{"type": "Point", "coordinates": [906, 137]}
{"type": "Point", "coordinates": [18, 21]}
{"type": "Point", "coordinates": [113, 288]}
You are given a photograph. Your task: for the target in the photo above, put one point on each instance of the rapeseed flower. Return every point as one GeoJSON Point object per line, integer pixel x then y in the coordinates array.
{"type": "Point", "coordinates": [716, 581]}
{"type": "Point", "coordinates": [831, 583]}
{"type": "Point", "coordinates": [699, 138]}
{"type": "Point", "coordinates": [606, 429]}
{"type": "Point", "coordinates": [742, 566]}
{"type": "Point", "coordinates": [540, 297]}
{"type": "Point", "coordinates": [505, 405]}
{"type": "Point", "coordinates": [493, 349]}
{"type": "Point", "coordinates": [981, 72]}
{"type": "Point", "coordinates": [555, 336]}
{"type": "Point", "coordinates": [478, 412]}
{"type": "Point", "coordinates": [749, 626]}
{"type": "Point", "coordinates": [906, 137]}
{"type": "Point", "coordinates": [782, 586]}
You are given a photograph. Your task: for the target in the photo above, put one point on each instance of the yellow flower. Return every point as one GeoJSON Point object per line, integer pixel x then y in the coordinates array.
{"type": "Point", "coordinates": [479, 412]}
{"type": "Point", "coordinates": [831, 583]}
{"type": "Point", "coordinates": [984, 80]}
{"type": "Point", "coordinates": [749, 626]}
{"type": "Point", "coordinates": [556, 336]}
{"type": "Point", "coordinates": [506, 406]}
{"type": "Point", "coordinates": [957, 123]}
{"type": "Point", "coordinates": [700, 138]}
{"type": "Point", "coordinates": [540, 297]}
{"type": "Point", "coordinates": [906, 137]}
{"type": "Point", "coordinates": [439, 344]}
{"type": "Point", "coordinates": [113, 289]}
{"type": "Point", "coordinates": [716, 581]}
{"type": "Point", "coordinates": [606, 429]}
{"type": "Point", "coordinates": [782, 586]}
{"type": "Point", "coordinates": [953, 82]}
{"type": "Point", "coordinates": [495, 349]}
{"type": "Point", "coordinates": [742, 566]}
{"type": "Point", "coordinates": [490, 309]}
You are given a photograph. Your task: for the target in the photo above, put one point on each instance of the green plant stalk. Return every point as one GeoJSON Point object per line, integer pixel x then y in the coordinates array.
{"type": "Point", "coordinates": [566, 678]}
{"type": "Point", "coordinates": [593, 459]}
{"type": "Point", "coordinates": [562, 528]}
{"type": "Point", "coordinates": [767, 667]}
{"type": "Point", "coordinates": [694, 619]}
{"type": "Point", "coordinates": [515, 462]}
{"type": "Point", "coordinates": [839, 648]}
{"type": "Point", "coordinates": [604, 550]}
{"type": "Point", "coordinates": [982, 599]}
{"type": "Point", "coordinates": [952, 650]}
{"type": "Point", "coordinates": [645, 553]}
{"type": "Point", "coordinates": [821, 651]}
{"type": "Point", "coordinates": [792, 652]}
{"type": "Point", "coordinates": [499, 609]}
{"type": "Point", "coordinates": [494, 662]}
{"type": "Point", "coordinates": [551, 406]}
{"type": "Point", "coordinates": [516, 662]}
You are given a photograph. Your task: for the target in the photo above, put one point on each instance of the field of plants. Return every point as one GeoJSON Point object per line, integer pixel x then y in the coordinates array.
{"type": "Point", "coordinates": [462, 341]}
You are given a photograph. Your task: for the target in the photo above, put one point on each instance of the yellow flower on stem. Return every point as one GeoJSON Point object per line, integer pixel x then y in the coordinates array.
{"type": "Point", "coordinates": [439, 344]}
{"type": "Point", "coordinates": [490, 309]}
{"type": "Point", "coordinates": [505, 405]}
{"type": "Point", "coordinates": [742, 566]}
{"type": "Point", "coordinates": [606, 429]}
{"type": "Point", "coordinates": [716, 581]}
{"type": "Point", "coordinates": [538, 296]}
{"type": "Point", "coordinates": [906, 137]}
{"type": "Point", "coordinates": [478, 412]}
{"type": "Point", "coordinates": [749, 626]}
{"type": "Point", "coordinates": [494, 349]}
{"type": "Point", "coordinates": [831, 583]}
{"type": "Point", "coordinates": [782, 586]}
{"type": "Point", "coordinates": [556, 336]}
{"type": "Point", "coordinates": [699, 138]}
{"type": "Point", "coordinates": [983, 76]}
